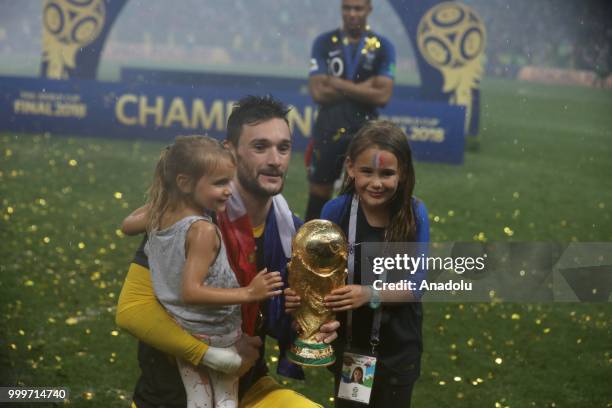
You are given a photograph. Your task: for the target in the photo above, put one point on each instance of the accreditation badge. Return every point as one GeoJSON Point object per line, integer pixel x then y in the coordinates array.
{"type": "Point", "coordinates": [357, 377]}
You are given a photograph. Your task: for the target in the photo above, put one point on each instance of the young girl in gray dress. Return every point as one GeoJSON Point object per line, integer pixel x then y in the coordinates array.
{"type": "Point", "coordinates": [191, 274]}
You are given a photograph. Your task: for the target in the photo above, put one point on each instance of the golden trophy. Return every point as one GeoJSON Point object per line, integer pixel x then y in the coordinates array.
{"type": "Point", "coordinates": [317, 266]}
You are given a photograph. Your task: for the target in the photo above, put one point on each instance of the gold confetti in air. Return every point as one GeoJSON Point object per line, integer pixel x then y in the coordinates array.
{"type": "Point", "coordinates": [498, 361]}
{"type": "Point", "coordinates": [118, 195]}
{"type": "Point", "coordinates": [88, 395]}
{"type": "Point", "coordinates": [72, 163]}
{"type": "Point", "coordinates": [480, 237]}
{"type": "Point", "coordinates": [71, 321]}
{"type": "Point", "coordinates": [114, 333]}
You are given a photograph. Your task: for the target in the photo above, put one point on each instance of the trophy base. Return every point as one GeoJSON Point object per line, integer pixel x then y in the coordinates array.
{"type": "Point", "coordinates": [309, 354]}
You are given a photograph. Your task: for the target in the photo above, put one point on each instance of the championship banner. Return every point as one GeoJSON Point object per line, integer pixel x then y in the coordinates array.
{"type": "Point", "coordinates": [161, 112]}
{"type": "Point", "coordinates": [74, 32]}
{"type": "Point", "coordinates": [448, 39]}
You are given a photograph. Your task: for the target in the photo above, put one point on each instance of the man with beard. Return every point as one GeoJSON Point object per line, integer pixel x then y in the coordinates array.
{"type": "Point", "coordinates": [351, 75]}
{"type": "Point", "coordinates": [257, 228]}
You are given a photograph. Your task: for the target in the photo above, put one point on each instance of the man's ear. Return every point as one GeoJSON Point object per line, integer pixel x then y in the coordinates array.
{"type": "Point", "coordinates": [348, 164]}
{"type": "Point", "coordinates": [184, 183]}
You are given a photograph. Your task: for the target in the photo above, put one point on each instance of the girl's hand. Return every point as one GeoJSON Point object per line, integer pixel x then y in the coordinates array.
{"type": "Point", "coordinates": [348, 297]}
{"type": "Point", "coordinates": [265, 285]}
{"type": "Point", "coordinates": [292, 300]}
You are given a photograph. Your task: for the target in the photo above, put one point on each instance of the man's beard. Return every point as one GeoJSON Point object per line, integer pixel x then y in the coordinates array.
{"type": "Point", "coordinates": [251, 185]}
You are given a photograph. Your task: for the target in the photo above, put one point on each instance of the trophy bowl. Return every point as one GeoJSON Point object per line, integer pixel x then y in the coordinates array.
{"type": "Point", "coordinates": [318, 266]}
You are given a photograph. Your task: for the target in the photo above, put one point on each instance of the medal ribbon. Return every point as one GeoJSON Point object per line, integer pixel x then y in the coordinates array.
{"type": "Point", "coordinates": [352, 60]}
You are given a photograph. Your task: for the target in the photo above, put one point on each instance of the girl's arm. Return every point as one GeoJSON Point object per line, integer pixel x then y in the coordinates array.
{"type": "Point", "coordinates": [136, 222]}
{"type": "Point", "coordinates": [202, 246]}
{"type": "Point", "coordinates": [353, 296]}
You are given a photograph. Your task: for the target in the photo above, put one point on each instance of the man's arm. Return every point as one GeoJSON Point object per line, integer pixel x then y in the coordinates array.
{"type": "Point", "coordinates": [136, 222]}
{"type": "Point", "coordinates": [139, 312]}
{"type": "Point", "coordinates": [318, 81]}
{"type": "Point", "coordinates": [375, 91]}
{"type": "Point", "coordinates": [378, 89]}
{"type": "Point", "coordinates": [321, 90]}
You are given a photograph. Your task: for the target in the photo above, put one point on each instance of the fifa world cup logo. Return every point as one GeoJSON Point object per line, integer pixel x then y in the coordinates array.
{"type": "Point", "coordinates": [451, 38]}
{"type": "Point", "coordinates": [68, 26]}
{"type": "Point", "coordinates": [318, 265]}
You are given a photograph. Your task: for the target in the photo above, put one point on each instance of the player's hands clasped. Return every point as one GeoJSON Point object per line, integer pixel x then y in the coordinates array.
{"type": "Point", "coordinates": [265, 285]}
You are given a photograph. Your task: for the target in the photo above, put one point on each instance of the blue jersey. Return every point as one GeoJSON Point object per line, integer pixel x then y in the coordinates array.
{"type": "Point", "coordinates": [333, 54]}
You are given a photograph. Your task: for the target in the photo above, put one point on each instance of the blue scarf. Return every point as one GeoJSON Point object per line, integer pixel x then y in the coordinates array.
{"type": "Point", "coordinates": [278, 323]}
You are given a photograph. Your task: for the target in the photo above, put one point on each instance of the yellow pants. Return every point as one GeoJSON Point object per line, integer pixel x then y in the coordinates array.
{"type": "Point", "coordinates": [267, 393]}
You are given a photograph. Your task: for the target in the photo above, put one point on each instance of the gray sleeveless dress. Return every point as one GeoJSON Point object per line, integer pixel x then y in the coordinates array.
{"type": "Point", "coordinates": [166, 252]}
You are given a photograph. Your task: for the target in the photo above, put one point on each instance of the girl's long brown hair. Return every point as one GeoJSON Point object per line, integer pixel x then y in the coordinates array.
{"type": "Point", "coordinates": [385, 135]}
{"type": "Point", "coordinates": [192, 156]}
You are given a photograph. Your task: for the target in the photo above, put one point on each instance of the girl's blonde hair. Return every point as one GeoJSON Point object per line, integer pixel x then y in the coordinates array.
{"type": "Point", "coordinates": [193, 156]}
{"type": "Point", "coordinates": [386, 135]}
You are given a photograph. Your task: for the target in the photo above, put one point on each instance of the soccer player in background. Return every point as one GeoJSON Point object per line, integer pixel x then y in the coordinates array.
{"type": "Point", "coordinates": [351, 75]}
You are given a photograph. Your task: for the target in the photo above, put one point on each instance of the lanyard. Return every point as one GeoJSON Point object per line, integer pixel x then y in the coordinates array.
{"type": "Point", "coordinates": [352, 60]}
{"type": "Point", "coordinates": [376, 321]}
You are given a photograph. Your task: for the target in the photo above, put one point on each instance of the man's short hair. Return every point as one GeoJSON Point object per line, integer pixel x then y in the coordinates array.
{"type": "Point", "coordinates": [252, 110]}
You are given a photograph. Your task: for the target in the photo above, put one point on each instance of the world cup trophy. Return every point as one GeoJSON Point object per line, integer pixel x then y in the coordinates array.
{"type": "Point", "coordinates": [317, 266]}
